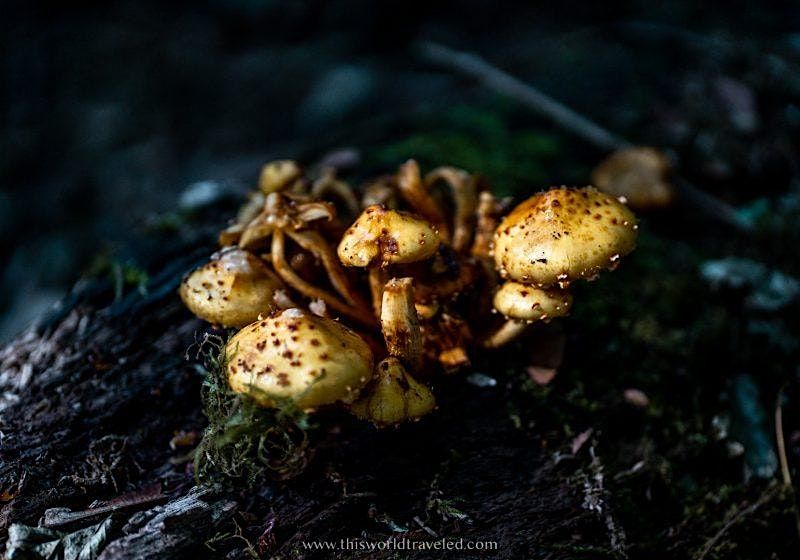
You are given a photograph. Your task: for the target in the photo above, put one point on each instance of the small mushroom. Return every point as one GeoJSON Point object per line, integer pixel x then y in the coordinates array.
{"type": "Point", "coordinates": [296, 355]}
{"type": "Point", "coordinates": [527, 303]}
{"type": "Point", "coordinates": [278, 175]}
{"type": "Point", "coordinates": [393, 396]}
{"type": "Point", "coordinates": [381, 237]}
{"type": "Point", "coordinates": [414, 191]}
{"type": "Point", "coordinates": [231, 290]}
{"type": "Point", "coordinates": [328, 183]}
{"type": "Point", "coordinates": [380, 191]}
{"type": "Point", "coordinates": [522, 305]}
{"type": "Point", "coordinates": [246, 214]}
{"type": "Point", "coordinates": [295, 217]}
{"type": "Point", "coordinates": [640, 175]}
{"type": "Point", "coordinates": [562, 235]}
{"type": "Point", "coordinates": [463, 187]}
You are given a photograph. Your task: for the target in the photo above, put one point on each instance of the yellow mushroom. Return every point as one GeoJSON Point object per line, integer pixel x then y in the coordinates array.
{"type": "Point", "coordinates": [278, 175]}
{"type": "Point", "coordinates": [231, 290]}
{"type": "Point", "coordinates": [296, 355]}
{"type": "Point", "coordinates": [528, 303]}
{"type": "Point", "coordinates": [553, 238]}
{"type": "Point", "coordinates": [562, 235]}
{"type": "Point", "coordinates": [640, 175]}
{"type": "Point", "coordinates": [522, 305]}
{"type": "Point", "coordinates": [387, 237]}
{"type": "Point", "coordinates": [382, 237]}
{"type": "Point", "coordinates": [393, 396]}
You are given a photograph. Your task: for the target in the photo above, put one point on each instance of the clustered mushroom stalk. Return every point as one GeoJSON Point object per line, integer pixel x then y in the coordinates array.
{"type": "Point", "coordinates": [362, 311]}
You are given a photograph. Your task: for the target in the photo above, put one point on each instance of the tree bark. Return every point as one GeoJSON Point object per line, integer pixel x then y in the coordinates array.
{"type": "Point", "coordinates": [92, 397]}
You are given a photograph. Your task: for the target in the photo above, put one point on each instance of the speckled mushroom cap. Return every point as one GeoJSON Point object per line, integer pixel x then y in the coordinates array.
{"type": "Point", "coordinates": [528, 303]}
{"type": "Point", "coordinates": [231, 290]}
{"type": "Point", "coordinates": [296, 355]}
{"type": "Point", "coordinates": [639, 174]}
{"type": "Point", "coordinates": [387, 237]}
{"type": "Point", "coordinates": [563, 234]}
{"type": "Point", "coordinates": [393, 396]}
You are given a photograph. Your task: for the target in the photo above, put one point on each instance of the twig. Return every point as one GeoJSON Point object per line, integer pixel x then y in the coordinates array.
{"type": "Point", "coordinates": [787, 477]}
{"type": "Point", "coordinates": [781, 442]}
{"type": "Point", "coordinates": [562, 116]}
{"type": "Point", "coordinates": [741, 514]}
{"type": "Point", "coordinates": [60, 517]}
{"type": "Point", "coordinates": [497, 80]}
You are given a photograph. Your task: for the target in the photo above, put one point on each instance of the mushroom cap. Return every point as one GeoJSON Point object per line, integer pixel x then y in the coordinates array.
{"type": "Point", "coordinates": [231, 290]}
{"type": "Point", "coordinates": [563, 234]}
{"type": "Point", "coordinates": [297, 355]}
{"type": "Point", "coordinates": [393, 396]}
{"type": "Point", "coordinates": [639, 174]}
{"type": "Point", "coordinates": [277, 175]}
{"type": "Point", "coordinates": [527, 303]}
{"type": "Point", "coordinates": [387, 237]}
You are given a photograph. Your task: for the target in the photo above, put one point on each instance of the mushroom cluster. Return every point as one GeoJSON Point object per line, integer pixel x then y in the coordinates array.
{"type": "Point", "coordinates": [358, 297]}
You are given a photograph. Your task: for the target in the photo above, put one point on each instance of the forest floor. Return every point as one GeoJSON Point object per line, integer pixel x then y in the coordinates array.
{"type": "Point", "coordinates": [646, 424]}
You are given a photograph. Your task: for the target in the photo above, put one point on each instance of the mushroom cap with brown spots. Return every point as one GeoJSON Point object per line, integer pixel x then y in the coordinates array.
{"type": "Point", "coordinates": [231, 290]}
{"type": "Point", "coordinates": [393, 396]}
{"type": "Point", "coordinates": [382, 236]}
{"type": "Point", "coordinates": [528, 303]}
{"type": "Point", "coordinates": [297, 355]}
{"type": "Point", "coordinates": [563, 234]}
{"type": "Point", "coordinates": [639, 174]}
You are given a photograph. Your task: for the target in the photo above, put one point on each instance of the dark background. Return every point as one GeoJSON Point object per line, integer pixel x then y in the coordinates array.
{"type": "Point", "coordinates": [119, 120]}
{"type": "Point", "coordinates": [109, 110]}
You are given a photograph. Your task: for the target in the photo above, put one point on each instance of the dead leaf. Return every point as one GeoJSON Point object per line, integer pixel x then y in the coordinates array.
{"type": "Point", "coordinates": [541, 375]}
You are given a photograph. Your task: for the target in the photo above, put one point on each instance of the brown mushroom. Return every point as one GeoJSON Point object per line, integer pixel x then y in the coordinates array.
{"type": "Point", "coordinates": [640, 175]}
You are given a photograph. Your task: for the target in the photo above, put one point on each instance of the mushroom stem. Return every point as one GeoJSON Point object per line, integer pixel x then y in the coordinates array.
{"type": "Point", "coordinates": [488, 217]}
{"type": "Point", "coordinates": [400, 323]}
{"type": "Point", "coordinates": [377, 280]}
{"type": "Point", "coordinates": [308, 290]}
{"type": "Point", "coordinates": [414, 192]}
{"type": "Point", "coordinates": [510, 330]}
{"type": "Point", "coordinates": [448, 288]}
{"type": "Point", "coordinates": [328, 183]}
{"type": "Point", "coordinates": [380, 192]}
{"type": "Point", "coordinates": [313, 242]}
{"type": "Point", "coordinates": [463, 189]}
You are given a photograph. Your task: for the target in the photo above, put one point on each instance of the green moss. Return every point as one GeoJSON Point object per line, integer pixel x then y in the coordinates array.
{"type": "Point", "coordinates": [123, 274]}
{"type": "Point", "coordinates": [481, 140]}
{"type": "Point", "coordinates": [243, 442]}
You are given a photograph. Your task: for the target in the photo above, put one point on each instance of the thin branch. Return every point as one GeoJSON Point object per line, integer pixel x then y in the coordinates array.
{"type": "Point", "coordinates": [474, 66]}
{"type": "Point", "coordinates": [733, 520]}
{"type": "Point", "coordinates": [781, 442]}
{"type": "Point", "coordinates": [495, 79]}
